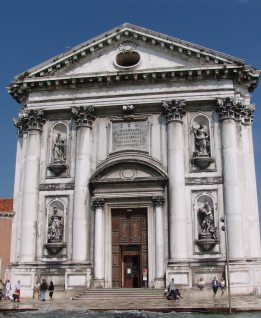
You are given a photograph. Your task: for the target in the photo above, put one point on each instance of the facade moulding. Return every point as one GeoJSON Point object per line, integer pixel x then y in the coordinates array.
{"type": "Point", "coordinates": [235, 73]}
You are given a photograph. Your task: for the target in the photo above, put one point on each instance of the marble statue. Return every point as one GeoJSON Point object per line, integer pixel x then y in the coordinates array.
{"type": "Point", "coordinates": [207, 226]}
{"type": "Point", "coordinates": [202, 140]}
{"type": "Point", "coordinates": [55, 228]}
{"type": "Point", "coordinates": [58, 149]}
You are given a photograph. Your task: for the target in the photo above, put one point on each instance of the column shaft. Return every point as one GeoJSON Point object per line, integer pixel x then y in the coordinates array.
{"type": "Point", "coordinates": [232, 194]}
{"type": "Point", "coordinates": [159, 242]}
{"type": "Point", "coordinates": [176, 176]}
{"type": "Point", "coordinates": [81, 195]}
{"type": "Point", "coordinates": [30, 197]}
{"type": "Point", "coordinates": [98, 245]}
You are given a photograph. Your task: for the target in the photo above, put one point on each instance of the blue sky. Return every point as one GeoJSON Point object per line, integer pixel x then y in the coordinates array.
{"type": "Point", "coordinates": [32, 31]}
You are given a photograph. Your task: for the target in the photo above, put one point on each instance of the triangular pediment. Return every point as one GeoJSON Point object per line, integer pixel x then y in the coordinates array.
{"type": "Point", "coordinates": [168, 50]}
{"type": "Point", "coordinates": [149, 59]}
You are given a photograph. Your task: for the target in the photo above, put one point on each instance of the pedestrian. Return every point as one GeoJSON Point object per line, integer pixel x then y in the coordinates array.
{"type": "Point", "coordinates": [215, 286]}
{"type": "Point", "coordinates": [17, 289]}
{"type": "Point", "coordinates": [51, 289]}
{"type": "Point", "coordinates": [7, 289]}
{"type": "Point", "coordinates": [223, 286]}
{"type": "Point", "coordinates": [1, 290]}
{"type": "Point", "coordinates": [37, 289]}
{"type": "Point", "coordinates": [172, 290]}
{"type": "Point", "coordinates": [43, 288]}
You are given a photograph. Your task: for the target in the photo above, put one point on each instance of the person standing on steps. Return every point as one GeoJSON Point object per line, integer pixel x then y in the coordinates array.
{"type": "Point", "coordinates": [17, 289]}
{"type": "Point", "coordinates": [37, 289]}
{"type": "Point", "coordinates": [43, 288]}
{"type": "Point", "coordinates": [222, 285]}
{"type": "Point", "coordinates": [215, 286]}
{"type": "Point", "coordinates": [51, 289]}
{"type": "Point", "coordinates": [7, 289]}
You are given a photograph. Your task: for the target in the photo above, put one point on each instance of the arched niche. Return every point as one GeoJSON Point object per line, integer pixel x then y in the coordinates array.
{"type": "Point", "coordinates": [55, 225]}
{"type": "Point", "coordinates": [58, 149]}
{"type": "Point", "coordinates": [205, 223]}
{"type": "Point", "coordinates": [201, 141]}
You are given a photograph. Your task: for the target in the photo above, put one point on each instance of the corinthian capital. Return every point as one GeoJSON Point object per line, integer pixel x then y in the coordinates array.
{"type": "Point", "coordinates": [83, 116]}
{"type": "Point", "coordinates": [29, 119]}
{"type": "Point", "coordinates": [98, 202]}
{"type": "Point", "coordinates": [235, 109]}
{"type": "Point", "coordinates": [174, 109]}
{"type": "Point", "coordinates": [158, 200]}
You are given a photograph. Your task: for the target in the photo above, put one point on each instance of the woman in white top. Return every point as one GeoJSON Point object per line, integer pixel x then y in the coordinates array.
{"type": "Point", "coordinates": [222, 285]}
{"type": "Point", "coordinates": [7, 289]}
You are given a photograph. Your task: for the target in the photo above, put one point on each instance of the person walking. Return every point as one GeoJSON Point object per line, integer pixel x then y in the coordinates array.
{"type": "Point", "coordinates": [172, 289]}
{"type": "Point", "coordinates": [43, 288]}
{"type": "Point", "coordinates": [223, 286]}
{"type": "Point", "coordinates": [215, 286]}
{"type": "Point", "coordinates": [18, 289]}
{"type": "Point", "coordinates": [51, 289]}
{"type": "Point", "coordinates": [7, 289]}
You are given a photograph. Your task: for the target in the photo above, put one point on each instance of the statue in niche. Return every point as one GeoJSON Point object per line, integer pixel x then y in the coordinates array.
{"type": "Point", "coordinates": [58, 149]}
{"type": "Point", "coordinates": [207, 226]}
{"type": "Point", "coordinates": [55, 227]}
{"type": "Point", "coordinates": [202, 140]}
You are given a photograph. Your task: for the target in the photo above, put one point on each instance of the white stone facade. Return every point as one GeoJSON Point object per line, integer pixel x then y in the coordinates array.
{"type": "Point", "coordinates": [135, 122]}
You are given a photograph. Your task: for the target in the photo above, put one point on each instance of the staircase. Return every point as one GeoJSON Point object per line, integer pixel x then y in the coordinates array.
{"type": "Point", "coordinates": [135, 294]}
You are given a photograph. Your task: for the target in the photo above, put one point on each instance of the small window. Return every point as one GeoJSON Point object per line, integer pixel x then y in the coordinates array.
{"type": "Point", "coordinates": [128, 59]}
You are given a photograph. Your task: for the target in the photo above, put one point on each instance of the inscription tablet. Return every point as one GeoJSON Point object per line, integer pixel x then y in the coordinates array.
{"type": "Point", "coordinates": [132, 135]}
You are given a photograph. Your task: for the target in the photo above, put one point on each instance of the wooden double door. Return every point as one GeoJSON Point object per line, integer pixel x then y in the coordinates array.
{"type": "Point", "coordinates": [129, 247]}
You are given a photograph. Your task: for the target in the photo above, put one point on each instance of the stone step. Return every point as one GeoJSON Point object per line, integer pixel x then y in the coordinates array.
{"type": "Point", "coordinates": [94, 294]}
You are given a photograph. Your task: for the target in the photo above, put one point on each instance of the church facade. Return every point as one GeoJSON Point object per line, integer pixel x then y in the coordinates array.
{"type": "Point", "coordinates": [131, 147]}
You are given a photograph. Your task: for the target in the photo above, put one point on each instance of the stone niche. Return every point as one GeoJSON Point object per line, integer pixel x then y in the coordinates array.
{"type": "Point", "coordinates": [202, 144]}
{"type": "Point", "coordinates": [55, 245]}
{"type": "Point", "coordinates": [205, 219]}
{"type": "Point", "coordinates": [58, 151]}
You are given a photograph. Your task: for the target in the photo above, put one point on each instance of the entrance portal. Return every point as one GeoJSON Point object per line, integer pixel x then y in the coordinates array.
{"type": "Point", "coordinates": [129, 247]}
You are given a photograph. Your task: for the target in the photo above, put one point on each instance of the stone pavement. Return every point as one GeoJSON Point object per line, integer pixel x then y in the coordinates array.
{"type": "Point", "coordinates": [192, 304]}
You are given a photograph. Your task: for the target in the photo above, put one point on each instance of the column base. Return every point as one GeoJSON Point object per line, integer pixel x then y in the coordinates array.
{"type": "Point", "coordinates": [98, 283]}
{"type": "Point", "coordinates": [159, 283]}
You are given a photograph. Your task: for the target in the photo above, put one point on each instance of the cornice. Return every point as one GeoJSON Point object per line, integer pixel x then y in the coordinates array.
{"type": "Point", "coordinates": [8, 215]}
{"type": "Point", "coordinates": [243, 75]}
